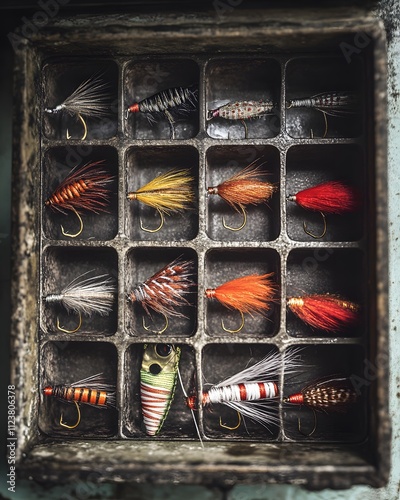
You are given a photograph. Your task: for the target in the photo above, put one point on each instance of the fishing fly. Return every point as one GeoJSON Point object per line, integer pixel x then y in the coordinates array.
{"type": "Point", "coordinates": [251, 294]}
{"type": "Point", "coordinates": [165, 291]}
{"type": "Point", "coordinates": [85, 188]}
{"type": "Point", "coordinates": [171, 192]}
{"type": "Point", "coordinates": [93, 391]}
{"type": "Point", "coordinates": [242, 189]}
{"type": "Point", "coordinates": [337, 104]}
{"type": "Point", "coordinates": [325, 312]}
{"type": "Point", "coordinates": [158, 378]}
{"type": "Point", "coordinates": [252, 392]}
{"type": "Point", "coordinates": [90, 99]}
{"type": "Point", "coordinates": [329, 395]}
{"type": "Point", "coordinates": [85, 295]}
{"type": "Point", "coordinates": [169, 103]}
{"type": "Point", "coordinates": [332, 197]}
{"type": "Point", "coordinates": [242, 111]}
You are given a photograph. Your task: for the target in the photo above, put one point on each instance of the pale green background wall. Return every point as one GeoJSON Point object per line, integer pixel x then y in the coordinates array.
{"type": "Point", "coordinates": [389, 11]}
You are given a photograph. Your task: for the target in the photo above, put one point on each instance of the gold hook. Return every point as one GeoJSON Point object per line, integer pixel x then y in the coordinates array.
{"type": "Point", "coordinates": [241, 226]}
{"type": "Point", "coordinates": [159, 227]}
{"type": "Point", "coordinates": [314, 428]}
{"type": "Point", "coordinates": [313, 235]}
{"type": "Point", "coordinates": [156, 331]}
{"type": "Point", "coordinates": [231, 428]}
{"type": "Point", "coordinates": [171, 121]}
{"type": "Point", "coordinates": [85, 130]}
{"type": "Point", "coordinates": [326, 124]}
{"type": "Point", "coordinates": [70, 331]}
{"type": "Point", "coordinates": [233, 331]}
{"type": "Point", "coordinates": [63, 424]}
{"type": "Point", "coordinates": [246, 131]}
{"type": "Point", "coordinates": [80, 229]}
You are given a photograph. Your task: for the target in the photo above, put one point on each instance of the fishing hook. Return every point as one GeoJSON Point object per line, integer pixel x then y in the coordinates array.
{"type": "Point", "coordinates": [241, 226]}
{"type": "Point", "coordinates": [171, 123]}
{"type": "Point", "coordinates": [314, 428]}
{"type": "Point", "coordinates": [156, 331]}
{"type": "Point", "coordinates": [246, 131]}
{"type": "Point", "coordinates": [63, 424]}
{"type": "Point", "coordinates": [85, 130]}
{"type": "Point", "coordinates": [80, 229]}
{"type": "Point", "coordinates": [233, 331]}
{"type": "Point", "coordinates": [70, 331]}
{"type": "Point", "coordinates": [158, 228]}
{"type": "Point", "coordinates": [231, 428]}
{"type": "Point", "coordinates": [317, 237]}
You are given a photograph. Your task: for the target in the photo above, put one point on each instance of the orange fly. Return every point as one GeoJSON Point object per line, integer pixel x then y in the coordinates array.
{"type": "Point", "coordinates": [242, 189]}
{"type": "Point", "coordinates": [250, 294]}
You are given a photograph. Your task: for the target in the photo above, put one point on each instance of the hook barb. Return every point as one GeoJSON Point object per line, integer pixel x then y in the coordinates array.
{"type": "Point", "coordinates": [64, 233]}
{"type": "Point", "coordinates": [70, 331]}
{"type": "Point", "coordinates": [231, 428]}
{"type": "Point", "coordinates": [63, 424]}
{"type": "Point", "coordinates": [85, 129]}
{"type": "Point", "coordinates": [315, 236]}
{"type": "Point", "coordinates": [241, 226]}
{"type": "Point", "coordinates": [158, 228]}
{"type": "Point", "coordinates": [159, 332]}
{"type": "Point", "coordinates": [234, 331]}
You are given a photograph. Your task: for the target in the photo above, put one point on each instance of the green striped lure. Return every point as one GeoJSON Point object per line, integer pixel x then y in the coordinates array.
{"type": "Point", "coordinates": [158, 377]}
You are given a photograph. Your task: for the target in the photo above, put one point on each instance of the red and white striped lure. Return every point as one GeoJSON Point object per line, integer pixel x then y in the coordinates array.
{"type": "Point", "coordinates": [252, 391]}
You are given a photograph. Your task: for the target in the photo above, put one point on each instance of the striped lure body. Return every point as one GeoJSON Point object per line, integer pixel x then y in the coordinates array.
{"type": "Point", "coordinates": [92, 391]}
{"type": "Point", "coordinates": [331, 103]}
{"type": "Point", "coordinates": [158, 377]}
{"type": "Point", "coordinates": [240, 392]}
{"type": "Point", "coordinates": [242, 110]}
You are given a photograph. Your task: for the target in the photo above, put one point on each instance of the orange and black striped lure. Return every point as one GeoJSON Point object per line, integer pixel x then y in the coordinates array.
{"type": "Point", "coordinates": [85, 188]}
{"type": "Point", "coordinates": [92, 391]}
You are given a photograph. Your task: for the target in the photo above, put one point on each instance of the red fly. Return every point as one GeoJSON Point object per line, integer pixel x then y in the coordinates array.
{"type": "Point", "coordinates": [325, 312]}
{"type": "Point", "coordinates": [332, 197]}
{"type": "Point", "coordinates": [250, 294]}
{"type": "Point", "coordinates": [166, 291]}
{"type": "Point", "coordinates": [242, 189]}
{"type": "Point", "coordinates": [85, 188]}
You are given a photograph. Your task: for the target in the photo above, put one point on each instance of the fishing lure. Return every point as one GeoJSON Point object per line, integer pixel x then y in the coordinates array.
{"type": "Point", "coordinates": [250, 294]}
{"type": "Point", "coordinates": [90, 99]}
{"type": "Point", "coordinates": [165, 291]}
{"type": "Point", "coordinates": [332, 197]}
{"type": "Point", "coordinates": [329, 103]}
{"type": "Point", "coordinates": [169, 192]}
{"type": "Point", "coordinates": [92, 295]}
{"type": "Point", "coordinates": [167, 103]}
{"type": "Point", "coordinates": [242, 110]}
{"type": "Point", "coordinates": [158, 377]}
{"type": "Point", "coordinates": [242, 189]}
{"type": "Point", "coordinates": [85, 188]}
{"type": "Point", "coordinates": [253, 391]}
{"type": "Point", "coordinates": [332, 394]}
{"type": "Point", "coordinates": [92, 391]}
{"type": "Point", "coordinates": [325, 312]}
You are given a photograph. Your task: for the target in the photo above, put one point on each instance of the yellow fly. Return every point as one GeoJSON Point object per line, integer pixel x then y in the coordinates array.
{"type": "Point", "coordinates": [169, 192]}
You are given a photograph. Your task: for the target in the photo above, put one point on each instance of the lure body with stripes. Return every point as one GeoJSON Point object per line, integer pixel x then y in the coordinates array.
{"type": "Point", "coordinates": [325, 312]}
{"type": "Point", "coordinates": [253, 391]}
{"type": "Point", "coordinates": [331, 103]}
{"type": "Point", "coordinates": [93, 295]}
{"type": "Point", "coordinates": [85, 188]}
{"type": "Point", "coordinates": [158, 378]}
{"type": "Point", "coordinates": [165, 291]}
{"type": "Point", "coordinates": [330, 395]}
{"type": "Point", "coordinates": [242, 110]}
{"type": "Point", "coordinates": [176, 100]}
{"type": "Point", "coordinates": [90, 99]}
{"type": "Point", "coordinates": [92, 391]}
